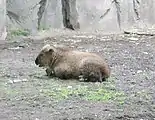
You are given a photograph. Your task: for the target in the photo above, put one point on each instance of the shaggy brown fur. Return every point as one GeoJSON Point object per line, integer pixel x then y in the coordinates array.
{"type": "Point", "coordinates": [65, 63]}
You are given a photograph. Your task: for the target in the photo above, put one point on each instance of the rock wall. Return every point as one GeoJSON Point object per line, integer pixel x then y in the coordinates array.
{"type": "Point", "coordinates": [2, 19]}
{"type": "Point", "coordinates": [91, 14]}
{"type": "Point", "coordinates": [70, 14]}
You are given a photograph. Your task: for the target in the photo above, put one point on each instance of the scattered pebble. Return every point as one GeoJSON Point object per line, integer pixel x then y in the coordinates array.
{"type": "Point", "coordinates": [69, 87]}
{"type": "Point", "coordinates": [148, 45]}
{"type": "Point", "coordinates": [75, 41]}
{"type": "Point", "coordinates": [17, 80]}
{"type": "Point", "coordinates": [133, 38]}
{"type": "Point", "coordinates": [146, 53]}
{"type": "Point", "coordinates": [139, 71]}
{"type": "Point", "coordinates": [83, 36]}
{"type": "Point", "coordinates": [15, 48]}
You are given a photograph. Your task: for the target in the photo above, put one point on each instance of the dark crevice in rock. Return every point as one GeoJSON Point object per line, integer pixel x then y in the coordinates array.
{"type": "Point", "coordinates": [70, 15]}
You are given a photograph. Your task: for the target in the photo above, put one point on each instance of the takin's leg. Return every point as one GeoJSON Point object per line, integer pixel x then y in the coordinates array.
{"type": "Point", "coordinates": [91, 73]}
{"type": "Point", "coordinates": [63, 71]}
{"type": "Point", "coordinates": [49, 72]}
{"type": "Point", "coordinates": [92, 76]}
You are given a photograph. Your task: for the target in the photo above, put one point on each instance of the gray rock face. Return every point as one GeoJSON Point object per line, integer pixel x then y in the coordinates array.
{"type": "Point", "coordinates": [2, 19]}
{"type": "Point", "coordinates": [70, 14]}
{"type": "Point", "coordinates": [92, 15]}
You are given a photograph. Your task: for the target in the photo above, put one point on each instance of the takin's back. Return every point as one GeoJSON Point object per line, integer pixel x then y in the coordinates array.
{"type": "Point", "coordinates": [92, 62]}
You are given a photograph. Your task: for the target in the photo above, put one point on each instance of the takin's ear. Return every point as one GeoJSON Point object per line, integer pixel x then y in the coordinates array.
{"type": "Point", "coordinates": [51, 50]}
{"type": "Point", "coordinates": [48, 48]}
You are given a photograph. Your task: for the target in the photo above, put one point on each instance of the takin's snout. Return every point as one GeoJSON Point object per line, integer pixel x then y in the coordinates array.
{"type": "Point", "coordinates": [37, 61]}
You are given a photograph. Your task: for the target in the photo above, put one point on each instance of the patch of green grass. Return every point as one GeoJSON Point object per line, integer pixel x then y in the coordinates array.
{"type": "Point", "coordinates": [105, 92]}
{"type": "Point", "coordinates": [86, 93]}
{"type": "Point", "coordinates": [7, 92]}
{"type": "Point", "coordinates": [58, 90]}
{"type": "Point", "coordinates": [64, 93]}
{"type": "Point", "coordinates": [105, 95]}
{"type": "Point", "coordinates": [19, 32]}
{"type": "Point", "coordinates": [144, 94]}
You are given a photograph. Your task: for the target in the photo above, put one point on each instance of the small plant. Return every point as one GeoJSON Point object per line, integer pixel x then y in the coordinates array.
{"type": "Point", "coordinates": [42, 28]}
{"type": "Point", "coordinates": [19, 32]}
{"type": "Point", "coordinates": [83, 92]}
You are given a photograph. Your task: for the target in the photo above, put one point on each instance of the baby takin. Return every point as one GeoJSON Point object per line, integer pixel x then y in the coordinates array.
{"type": "Point", "coordinates": [66, 63]}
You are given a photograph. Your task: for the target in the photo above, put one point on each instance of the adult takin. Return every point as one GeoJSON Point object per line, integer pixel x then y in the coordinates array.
{"type": "Point", "coordinates": [65, 63]}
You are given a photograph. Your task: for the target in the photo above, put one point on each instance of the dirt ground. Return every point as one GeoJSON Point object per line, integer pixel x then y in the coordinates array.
{"type": "Point", "coordinates": [26, 93]}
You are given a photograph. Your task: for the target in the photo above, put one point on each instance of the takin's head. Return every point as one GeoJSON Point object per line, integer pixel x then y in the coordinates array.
{"type": "Point", "coordinates": [45, 56]}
